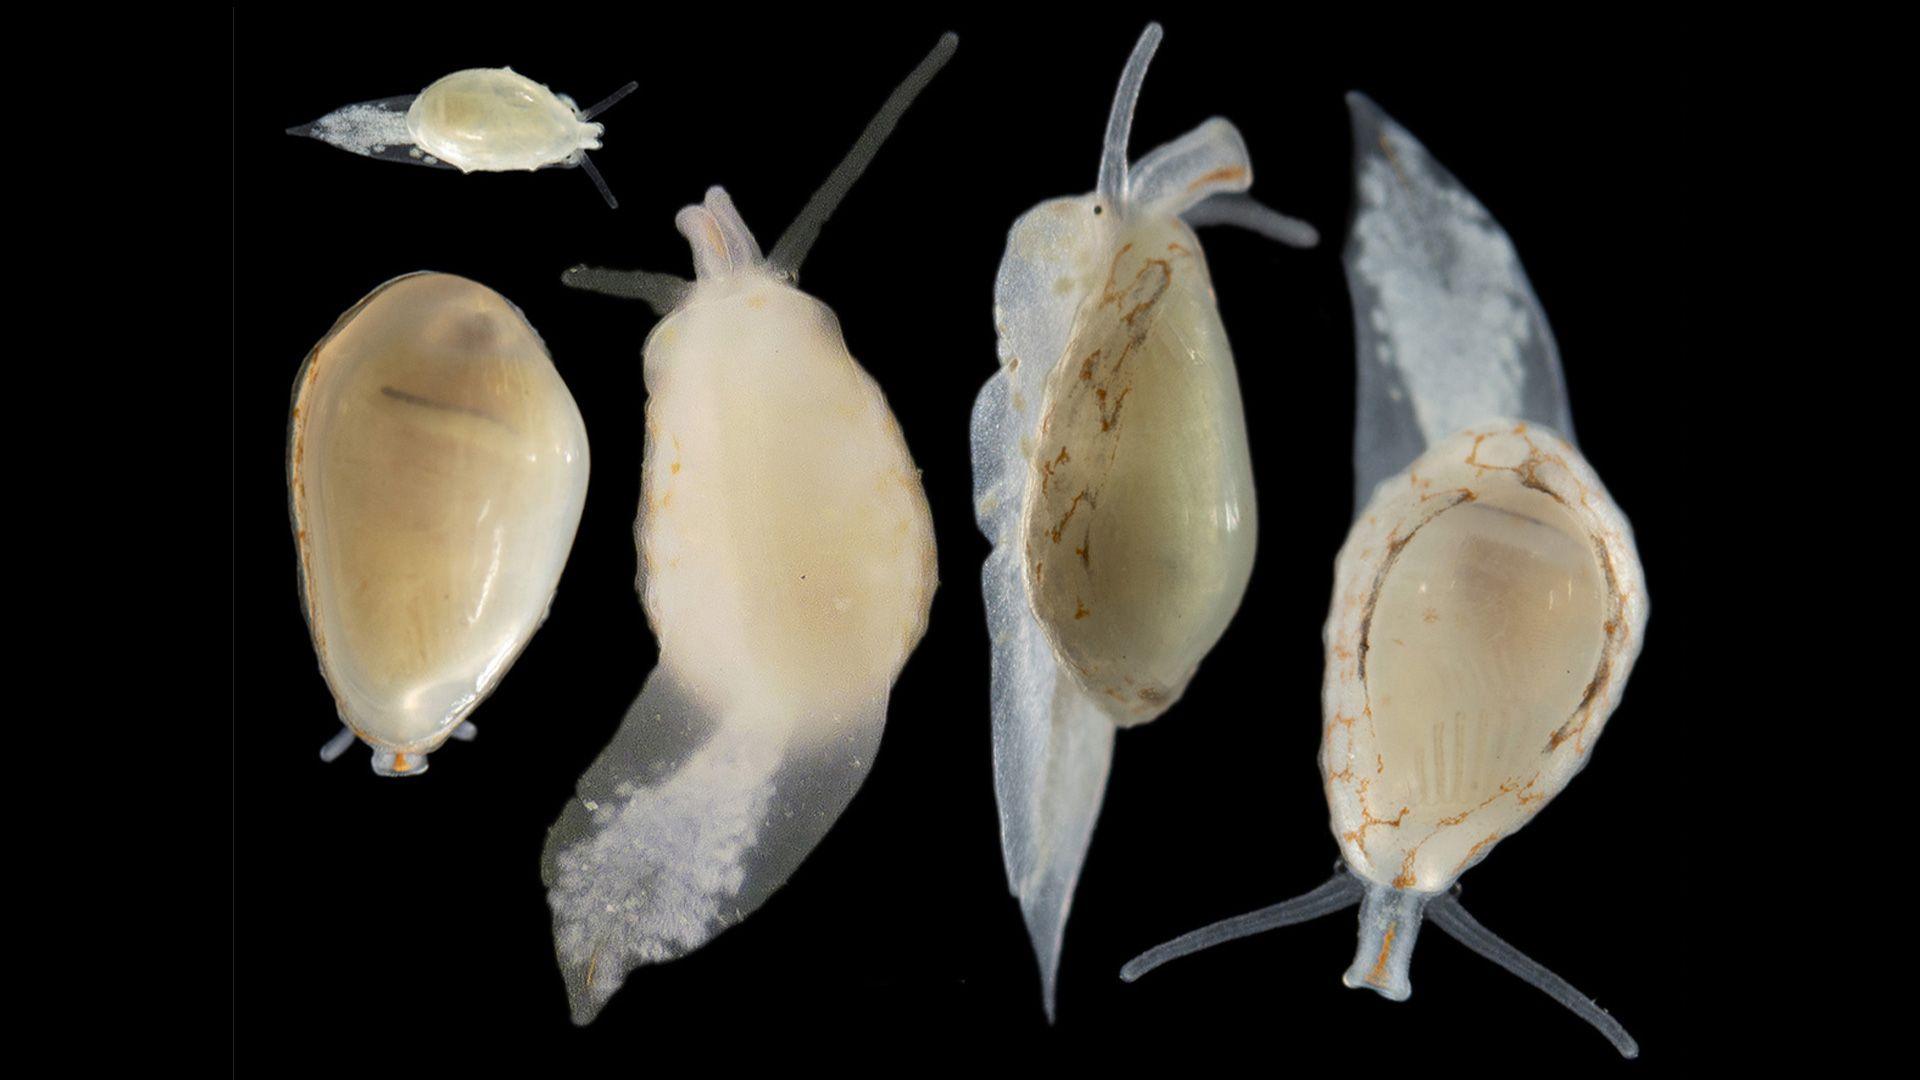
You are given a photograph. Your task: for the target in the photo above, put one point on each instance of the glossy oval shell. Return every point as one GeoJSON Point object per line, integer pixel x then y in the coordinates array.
{"type": "Point", "coordinates": [1139, 518]}
{"type": "Point", "coordinates": [495, 119]}
{"type": "Point", "coordinates": [787, 559]}
{"type": "Point", "coordinates": [438, 467]}
{"type": "Point", "coordinates": [1488, 608]}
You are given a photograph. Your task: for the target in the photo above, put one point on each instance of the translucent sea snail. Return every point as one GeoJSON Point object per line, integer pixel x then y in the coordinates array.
{"type": "Point", "coordinates": [786, 566]}
{"type": "Point", "coordinates": [476, 120]}
{"type": "Point", "coordinates": [1488, 603]}
{"type": "Point", "coordinates": [1113, 475]}
{"type": "Point", "coordinates": [436, 470]}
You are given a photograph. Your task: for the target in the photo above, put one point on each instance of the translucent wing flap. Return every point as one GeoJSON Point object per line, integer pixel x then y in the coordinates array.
{"type": "Point", "coordinates": [376, 129]}
{"type": "Point", "coordinates": [1209, 160]}
{"type": "Point", "coordinates": [1051, 745]}
{"type": "Point", "coordinates": [1050, 776]}
{"type": "Point", "coordinates": [684, 825]}
{"type": "Point", "coordinates": [1447, 329]}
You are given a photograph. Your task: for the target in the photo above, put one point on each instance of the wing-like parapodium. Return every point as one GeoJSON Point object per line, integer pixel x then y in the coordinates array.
{"type": "Point", "coordinates": [684, 825]}
{"type": "Point", "coordinates": [1052, 746]}
{"type": "Point", "coordinates": [1446, 327]}
{"type": "Point", "coordinates": [376, 129]}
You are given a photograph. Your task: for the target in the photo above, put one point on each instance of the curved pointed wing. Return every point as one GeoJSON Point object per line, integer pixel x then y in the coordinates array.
{"type": "Point", "coordinates": [375, 129]}
{"type": "Point", "coordinates": [1447, 329]}
{"type": "Point", "coordinates": [1052, 745]}
{"type": "Point", "coordinates": [643, 871]}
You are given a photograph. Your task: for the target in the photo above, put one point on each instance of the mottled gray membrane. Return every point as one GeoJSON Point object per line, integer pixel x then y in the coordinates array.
{"type": "Point", "coordinates": [682, 826]}
{"type": "Point", "coordinates": [1447, 330]}
{"type": "Point", "coordinates": [1052, 746]}
{"type": "Point", "coordinates": [376, 129]}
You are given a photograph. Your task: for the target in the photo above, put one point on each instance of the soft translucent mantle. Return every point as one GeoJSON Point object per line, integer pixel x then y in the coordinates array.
{"type": "Point", "coordinates": [1488, 606]}
{"type": "Point", "coordinates": [438, 467]}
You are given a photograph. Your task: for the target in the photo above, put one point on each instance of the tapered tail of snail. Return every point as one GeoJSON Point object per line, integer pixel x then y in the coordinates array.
{"type": "Point", "coordinates": [683, 826]}
{"type": "Point", "coordinates": [1389, 920]}
{"type": "Point", "coordinates": [643, 870]}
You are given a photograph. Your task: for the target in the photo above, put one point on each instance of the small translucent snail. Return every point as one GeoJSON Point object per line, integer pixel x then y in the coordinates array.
{"type": "Point", "coordinates": [476, 120]}
{"type": "Point", "coordinates": [437, 467]}
{"type": "Point", "coordinates": [1112, 473]}
{"type": "Point", "coordinates": [1488, 603]}
{"type": "Point", "coordinates": [786, 566]}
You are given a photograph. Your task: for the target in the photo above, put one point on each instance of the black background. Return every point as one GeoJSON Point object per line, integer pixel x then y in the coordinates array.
{"type": "Point", "coordinates": [386, 925]}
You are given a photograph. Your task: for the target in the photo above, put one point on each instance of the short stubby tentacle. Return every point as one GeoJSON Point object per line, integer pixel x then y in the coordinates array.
{"type": "Point", "coordinates": [722, 244]}
{"type": "Point", "coordinates": [341, 741]}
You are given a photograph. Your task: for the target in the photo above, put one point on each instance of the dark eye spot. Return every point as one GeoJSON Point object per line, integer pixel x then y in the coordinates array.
{"type": "Point", "coordinates": [1097, 208]}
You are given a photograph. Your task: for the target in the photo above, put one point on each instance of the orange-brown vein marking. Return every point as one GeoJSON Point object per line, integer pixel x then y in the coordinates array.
{"type": "Point", "coordinates": [1047, 467]}
{"type": "Point", "coordinates": [1378, 976]}
{"type": "Point", "coordinates": [1137, 298]}
{"type": "Point", "coordinates": [1154, 274]}
{"type": "Point", "coordinates": [1072, 508]}
{"type": "Point", "coordinates": [1225, 174]}
{"type": "Point", "coordinates": [1474, 852]}
{"type": "Point", "coordinates": [1358, 837]}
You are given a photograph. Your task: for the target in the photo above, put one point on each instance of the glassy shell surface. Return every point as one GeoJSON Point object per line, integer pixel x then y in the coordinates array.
{"type": "Point", "coordinates": [786, 548]}
{"type": "Point", "coordinates": [1139, 519]}
{"type": "Point", "coordinates": [438, 468]}
{"type": "Point", "coordinates": [495, 119]}
{"type": "Point", "coordinates": [1488, 609]}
